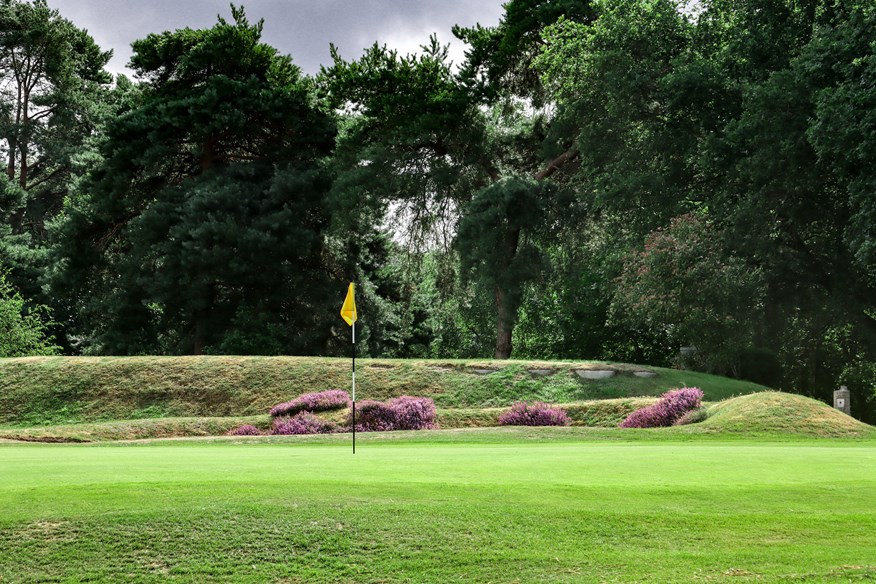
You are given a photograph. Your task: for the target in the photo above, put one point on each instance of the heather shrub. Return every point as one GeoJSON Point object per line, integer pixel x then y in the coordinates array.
{"type": "Point", "coordinates": [536, 414]}
{"type": "Point", "coordinates": [693, 417]}
{"type": "Point", "coordinates": [332, 399]}
{"type": "Point", "coordinates": [671, 406]}
{"type": "Point", "coordinates": [413, 413]}
{"type": "Point", "coordinates": [373, 416]}
{"type": "Point", "coordinates": [302, 423]}
{"type": "Point", "coordinates": [402, 413]}
{"type": "Point", "coordinates": [245, 430]}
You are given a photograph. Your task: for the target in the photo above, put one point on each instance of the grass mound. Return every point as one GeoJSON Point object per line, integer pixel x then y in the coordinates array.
{"type": "Point", "coordinates": [773, 411]}
{"type": "Point", "coordinates": [68, 390]}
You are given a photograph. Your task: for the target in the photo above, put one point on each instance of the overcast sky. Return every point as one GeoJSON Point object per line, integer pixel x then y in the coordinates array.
{"type": "Point", "coordinates": [301, 28]}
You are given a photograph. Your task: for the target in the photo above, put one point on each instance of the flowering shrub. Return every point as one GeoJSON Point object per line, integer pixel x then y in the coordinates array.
{"type": "Point", "coordinates": [302, 423]}
{"type": "Point", "coordinates": [332, 399]}
{"type": "Point", "coordinates": [536, 414]}
{"type": "Point", "coordinates": [373, 416]}
{"type": "Point", "coordinates": [401, 413]}
{"type": "Point", "coordinates": [413, 413]}
{"type": "Point", "coordinates": [246, 430]}
{"type": "Point", "coordinates": [671, 406]}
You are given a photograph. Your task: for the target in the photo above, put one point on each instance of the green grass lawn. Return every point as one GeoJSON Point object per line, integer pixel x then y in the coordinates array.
{"type": "Point", "coordinates": [484, 505]}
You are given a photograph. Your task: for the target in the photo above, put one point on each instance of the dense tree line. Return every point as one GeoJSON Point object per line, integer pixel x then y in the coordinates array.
{"type": "Point", "coordinates": [597, 179]}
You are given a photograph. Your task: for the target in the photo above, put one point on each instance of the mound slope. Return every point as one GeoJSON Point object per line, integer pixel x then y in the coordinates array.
{"type": "Point", "coordinates": [59, 390]}
{"type": "Point", "coordinates": [773, 411]}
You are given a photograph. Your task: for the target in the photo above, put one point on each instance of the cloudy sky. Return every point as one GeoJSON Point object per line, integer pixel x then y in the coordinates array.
{"type": "Point", "coordinates": [302, 28]}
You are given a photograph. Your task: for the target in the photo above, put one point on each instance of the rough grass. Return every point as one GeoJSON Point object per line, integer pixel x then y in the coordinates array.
{"type": "Point", "coordinates": [597, 413]}
{"type": "Point", "coordinates": [66, 390]}
{"type": "Point", "coordinates": [134, 429]}
{"type": "Point", "coordinates": [772, 415]}
{"type": "Point", "coordinates": [762, 414]}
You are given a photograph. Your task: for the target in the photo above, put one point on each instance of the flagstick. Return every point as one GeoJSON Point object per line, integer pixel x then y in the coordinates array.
{"type": "Point", "coordinates": [354, 387]}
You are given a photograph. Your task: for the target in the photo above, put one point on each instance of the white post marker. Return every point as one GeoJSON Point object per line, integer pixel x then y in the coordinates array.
{"type": "Point", "coordinates": [348, 313]}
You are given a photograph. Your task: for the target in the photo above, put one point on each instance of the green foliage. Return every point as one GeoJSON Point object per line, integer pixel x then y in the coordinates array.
{"type": "Point", "coordinates": [566, 312]}
{"type": "Point", "coordinates": [499, 60]}
{"type": "Point", "coordinates": [624, 102]}
{"type": "Point", "coordinates": [52, 91]}
{"type": "Point", "coordinates": [23, 327]}
{"type": "Point", "coordinates": [754, 115]}
{"type": "Point", "coordinates": [220, 204]}
{"type": "Point", "coordinates": [489, 238]}
{"type": "Point", "coordinates": [451, 161]}
{"type": "Point", "coordinates": [208, 208]}
{"type": "Point", "coordinates": [684, 283]}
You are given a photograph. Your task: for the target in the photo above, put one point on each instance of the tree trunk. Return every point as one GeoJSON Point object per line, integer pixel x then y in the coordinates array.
{"type": "Point", "coordinates": [208, 154]}
{"type": "Point", "coordinates": [13, 136]}
{"type": "Point", "coordinates": [506, 313]}
{"type": "Point", "coordinates": [504, 326]}
{"type": "Point", "coordinates": [200, 334]}
{"type": "Point", "coordinates": [10, 163]}
{"type": "Point", "coordinates": [23, 168]}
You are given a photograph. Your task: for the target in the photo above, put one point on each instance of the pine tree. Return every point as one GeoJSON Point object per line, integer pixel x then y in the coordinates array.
{"type": "Point", "coordinates": [201, 230]}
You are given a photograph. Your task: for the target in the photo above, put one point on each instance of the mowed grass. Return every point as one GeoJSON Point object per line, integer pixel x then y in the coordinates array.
{"type": "Point", "coordinates": [507, 505]}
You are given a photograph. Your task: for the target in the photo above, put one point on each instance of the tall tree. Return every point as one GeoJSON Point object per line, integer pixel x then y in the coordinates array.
{"type": "Point", "coordinates": [51, 83]}
{"type": "Point", "coordinates": [202, 228]}
{"type": "Point", "coordinates": [467, 150]}
{"type": "Point", "coordinates": [753, 115]}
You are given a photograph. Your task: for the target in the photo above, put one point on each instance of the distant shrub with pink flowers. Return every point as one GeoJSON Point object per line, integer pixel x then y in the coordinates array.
{"type": "Point", "coordinates": [373, 416]}
{"type": "Point", "coordinates": [413, 413]}
{"type": "Point", "coordinates": [332, 399]}
{"type": "Point", "coordinates": [535, 414]}
{"type": "Point", "coordinates": [302, 423]}
{"type": "Point", "coordinates": [245, 430]}
{"type": "Point", "coordinates": [402, 413]}
{"type": "Point", "coordinates": [670, 408]}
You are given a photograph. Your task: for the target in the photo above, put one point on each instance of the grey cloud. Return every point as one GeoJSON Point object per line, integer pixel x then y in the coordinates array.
{"type": "Point", "coordinates": [302, 29]}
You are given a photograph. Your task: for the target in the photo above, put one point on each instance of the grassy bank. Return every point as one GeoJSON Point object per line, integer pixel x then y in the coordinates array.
{"type": "Point", "coordinates": [512, 509]}
{"type": "Point", "coordinates": [778, 416]}
{"type": "Point", "coordinates": [63, 390]}
{"type": "Point", "coordinates": [762, 414]}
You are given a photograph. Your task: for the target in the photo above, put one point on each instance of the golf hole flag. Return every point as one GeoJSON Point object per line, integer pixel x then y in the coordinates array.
{"type": "Point", "coordinates": [348, 313]}
{"type": "Point", "coordinates": [348, 310]}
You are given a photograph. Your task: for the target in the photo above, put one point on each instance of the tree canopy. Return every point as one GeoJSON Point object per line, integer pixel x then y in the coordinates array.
{"type": "Point", "coordinates": [598, 179]}
{"type": "Point", "coordinates": [207, 209]}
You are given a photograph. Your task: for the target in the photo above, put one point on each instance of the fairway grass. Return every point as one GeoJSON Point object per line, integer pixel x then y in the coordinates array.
{"type": "Point", "coordinates": [521, 505]}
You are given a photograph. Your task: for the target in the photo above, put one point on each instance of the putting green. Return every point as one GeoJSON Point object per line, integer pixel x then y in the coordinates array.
{"type": "Point", "coordinates": [515, 511]}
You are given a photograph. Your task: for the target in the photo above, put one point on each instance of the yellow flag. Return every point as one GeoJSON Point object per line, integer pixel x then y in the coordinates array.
{"type": "Point", "coordinates": [348, 310]}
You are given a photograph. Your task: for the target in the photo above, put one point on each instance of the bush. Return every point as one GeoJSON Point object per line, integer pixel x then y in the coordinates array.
{"type": "Point", "coordinates": [245, 430]}
{"type": "Point", "coordinates": [413, 413]}
{"type": "Point", "coordinates": [332, 399]}
{"type": "Point", "coordinates": [373, 416]}
{"type": "Point", "coordinates": [402, 413]}
{"type": "Point", "coordinates": [23, 329]}
{"type": "Point", "coordinates": [302, 423]}
{"type": "Point", "coordinates": [536, 414]}
{"type": "Point", "coordinates": [672, 406]}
